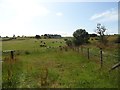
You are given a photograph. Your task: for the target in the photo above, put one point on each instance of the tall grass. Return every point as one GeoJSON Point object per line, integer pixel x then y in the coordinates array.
{"type": "Point", "coordinates": [11, 70]}
{"type": "Point", "coordinates": [38, 67]}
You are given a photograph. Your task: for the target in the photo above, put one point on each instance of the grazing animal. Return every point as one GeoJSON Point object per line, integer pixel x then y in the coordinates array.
{"type": "Point", "coordinates": [43, 46]}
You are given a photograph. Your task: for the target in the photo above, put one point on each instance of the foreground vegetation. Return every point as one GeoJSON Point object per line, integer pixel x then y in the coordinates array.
{"type": "Point", "coordinates": [53, 67]}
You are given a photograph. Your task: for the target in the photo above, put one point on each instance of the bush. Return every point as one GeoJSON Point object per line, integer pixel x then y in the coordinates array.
{"type": "Point", "coordinates": [27, 52]}
{"type": "Point", "coordinates": [69, 43]}
{"type": "Point", "coordinates": [37, 37]}
{"type": "Point", "coordinates": [80, 37]}
{"type": "Point", "coordinates": [65, 39]}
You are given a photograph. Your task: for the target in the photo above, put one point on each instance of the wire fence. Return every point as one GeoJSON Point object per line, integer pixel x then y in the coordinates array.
{"type": "Point", "coordinates": [104, 58]}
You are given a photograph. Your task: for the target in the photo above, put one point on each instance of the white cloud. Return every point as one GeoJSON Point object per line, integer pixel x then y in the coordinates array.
{"type": "Point", "coordinates": [107, 16]}
{"type": "Point", "coordinates": [26, 7]}
{"type": "Point", "coordinates": [59, 14]}
{"type": "Point", "coordinates": [16, 15]}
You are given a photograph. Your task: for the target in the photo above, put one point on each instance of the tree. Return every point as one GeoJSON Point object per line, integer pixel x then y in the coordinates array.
{"type": "Point", "coordinates": [7, 37]}
{"type": "Point", "coordinates": [101, 30]}
{"type": "Point", "coordinates": [69, 43]}
{"type": "Point", "coordinates": [37, 37]}
{"type": "Point", "coordinates": [80, 37]}
{"type": "Point", "coordinates": [14, 36]}
{"type": "Point", "coordinates": [18, 36]}
{"type": "Point", "coordinates": [93, 35]}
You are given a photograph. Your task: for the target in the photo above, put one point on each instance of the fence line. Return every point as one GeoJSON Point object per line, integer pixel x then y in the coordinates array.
{"type": "Point", "coordinates": [105, 59]}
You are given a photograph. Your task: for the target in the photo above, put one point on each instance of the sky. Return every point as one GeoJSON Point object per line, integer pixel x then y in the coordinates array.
{"type": "Point", "coordinates": [33, 17]}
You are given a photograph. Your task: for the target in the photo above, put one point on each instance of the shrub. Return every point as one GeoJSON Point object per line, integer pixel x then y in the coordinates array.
{"type": "Point", "coordinates": [27, 52]}
{"type": "Point", "coordinates": [65, 39]}
{"type": "Point", "coordinates": [80, 37]}
{"type": "Point", "coordinates": [69, 43]}
{"type": "Point", "coordinates": [37, 37]}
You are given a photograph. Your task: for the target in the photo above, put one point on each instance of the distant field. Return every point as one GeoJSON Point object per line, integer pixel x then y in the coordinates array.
{"type": "Point", "coordinates": [62, 68]}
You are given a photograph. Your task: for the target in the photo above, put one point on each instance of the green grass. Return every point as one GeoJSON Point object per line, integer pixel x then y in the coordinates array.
{"type": "Point", "coordinates": [66, 69]}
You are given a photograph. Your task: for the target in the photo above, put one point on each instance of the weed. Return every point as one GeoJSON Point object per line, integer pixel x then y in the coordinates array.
{"type": "Point", "coordinates": [60, 69]}
{"type": "Point", "coordinates": [44, 76]}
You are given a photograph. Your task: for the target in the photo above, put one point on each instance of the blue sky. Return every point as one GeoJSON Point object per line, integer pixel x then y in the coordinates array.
{"type": "Point", "coordinates": [31, 17]}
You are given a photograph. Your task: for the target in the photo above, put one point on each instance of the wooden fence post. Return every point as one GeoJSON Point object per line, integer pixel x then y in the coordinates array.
{"type": "Point", "coordinates": [101, 57]}
{"type": "Point", "coordinates": [12, 54]}
{"type": "Point", "coordinates": [88, 53]}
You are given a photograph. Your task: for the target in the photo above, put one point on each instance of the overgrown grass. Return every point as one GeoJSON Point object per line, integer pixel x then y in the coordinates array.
{"type": "Point", "coordinates": [65, 69]}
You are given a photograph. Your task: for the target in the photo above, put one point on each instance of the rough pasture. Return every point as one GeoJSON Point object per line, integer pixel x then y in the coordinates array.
{"type": "Point", "coordinates": [37, 67]}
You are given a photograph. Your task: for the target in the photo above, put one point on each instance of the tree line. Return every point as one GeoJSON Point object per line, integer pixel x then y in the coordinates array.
{"type": "Point", "coordinates": [45, 36]}
{"type": "Point", "coordinates": [81, 36]}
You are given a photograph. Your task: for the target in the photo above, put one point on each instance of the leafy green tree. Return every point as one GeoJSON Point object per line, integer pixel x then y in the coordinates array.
{"type": "Point", "coordinates": [80, 37]}
{"type": "Point", "coordinates": [37, 37]}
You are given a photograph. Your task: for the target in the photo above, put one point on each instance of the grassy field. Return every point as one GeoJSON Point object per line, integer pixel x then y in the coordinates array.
{"type": "Point", "coordinates": [50, 67]}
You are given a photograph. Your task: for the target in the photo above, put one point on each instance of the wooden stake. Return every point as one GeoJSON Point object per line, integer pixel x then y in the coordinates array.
{"type": "Point", "coordinates": [101, 57]}
{"type": "Point", "coordinates": [12, 54]}
{"type": "Point", "coordinates": [88, 53]}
